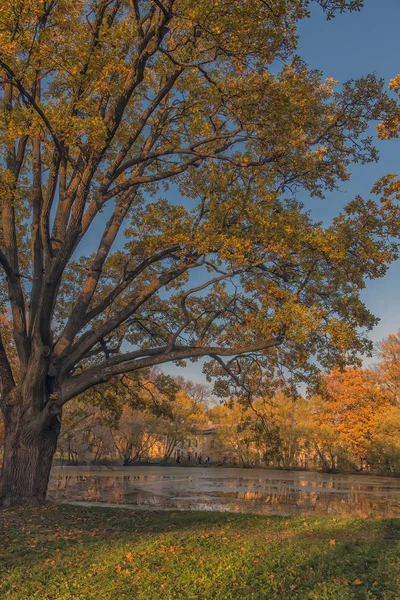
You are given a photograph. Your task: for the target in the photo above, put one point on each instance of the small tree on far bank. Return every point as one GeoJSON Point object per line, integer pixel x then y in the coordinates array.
{"type": "Point", "coordinates": [186, 419]}
{"type": "Point", "coordinates": [136, 435]}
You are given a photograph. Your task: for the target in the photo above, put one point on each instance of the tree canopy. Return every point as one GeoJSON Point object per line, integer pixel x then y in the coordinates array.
{"type": "Point", "coordinates": [104, 100]}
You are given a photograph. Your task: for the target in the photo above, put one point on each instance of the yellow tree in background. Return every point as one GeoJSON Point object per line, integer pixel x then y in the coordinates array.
{"type": "Point", "coordinates": [353, 402]}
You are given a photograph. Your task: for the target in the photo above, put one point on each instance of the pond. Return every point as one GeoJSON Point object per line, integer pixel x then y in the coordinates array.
{"type": "Point", "coordinates": [260, 491]}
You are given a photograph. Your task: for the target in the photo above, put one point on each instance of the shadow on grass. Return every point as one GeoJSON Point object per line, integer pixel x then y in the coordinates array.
{"type": "Point", "coordinates": [359, 562]}
{"type": "Point", "coordinates": [182, 555]}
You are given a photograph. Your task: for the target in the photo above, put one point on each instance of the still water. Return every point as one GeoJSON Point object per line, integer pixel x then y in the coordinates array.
{"type": "Point", "coordinates": [237, 490]}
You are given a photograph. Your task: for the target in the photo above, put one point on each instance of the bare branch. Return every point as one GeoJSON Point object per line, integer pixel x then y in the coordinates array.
{"type": "Point", "coordinates": [74, 354]}
{"type": "Point", "coordinates": [30, 101]}
{"type": "Point", "coordinates": [148, 358]}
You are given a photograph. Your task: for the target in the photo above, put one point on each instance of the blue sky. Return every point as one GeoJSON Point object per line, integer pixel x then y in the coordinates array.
{"type": "Point", "coordinates": [350, 46]}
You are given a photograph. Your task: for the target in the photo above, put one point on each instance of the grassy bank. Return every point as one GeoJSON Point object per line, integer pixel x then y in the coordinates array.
{"type": "Point", "coordinates": [65, 552]}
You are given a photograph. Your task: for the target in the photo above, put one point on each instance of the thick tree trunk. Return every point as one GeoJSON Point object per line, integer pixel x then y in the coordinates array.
{"type": "Point", "coordinates": [30, 443]}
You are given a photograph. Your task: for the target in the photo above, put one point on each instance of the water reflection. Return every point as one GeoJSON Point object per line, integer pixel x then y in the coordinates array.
{"type": "Point", "coordinates": [236, 490]}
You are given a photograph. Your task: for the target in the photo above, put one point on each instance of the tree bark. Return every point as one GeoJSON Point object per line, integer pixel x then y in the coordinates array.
{"type": "Point", "coordinates": [29, 447]}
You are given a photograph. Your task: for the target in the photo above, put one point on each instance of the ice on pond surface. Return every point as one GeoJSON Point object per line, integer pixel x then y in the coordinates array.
{"type": "Point", "coordinates": [259, 491]}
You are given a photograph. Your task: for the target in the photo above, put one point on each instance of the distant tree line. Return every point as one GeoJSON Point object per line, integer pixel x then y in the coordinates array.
{"type": "Point", "coordinates": [352, 424]}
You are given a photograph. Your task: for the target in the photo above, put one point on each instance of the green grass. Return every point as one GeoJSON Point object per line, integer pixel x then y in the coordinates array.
{"type": "Point", "coordinates": [66, 552]}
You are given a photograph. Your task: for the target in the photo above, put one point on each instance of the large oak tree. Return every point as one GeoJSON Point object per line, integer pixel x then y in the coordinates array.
{"type": "Point", "coordinates": [104, 104]}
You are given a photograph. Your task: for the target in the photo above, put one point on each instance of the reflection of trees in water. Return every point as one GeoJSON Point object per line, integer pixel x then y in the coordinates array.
{"type": "Point", "coordinates": [91, 488]}
{"type": "Point", "coordinates": [291, 501]}
{"type": "Point", "coordinates": [271, 496]}
{"type": "Point", "coordinates": [115, 489]}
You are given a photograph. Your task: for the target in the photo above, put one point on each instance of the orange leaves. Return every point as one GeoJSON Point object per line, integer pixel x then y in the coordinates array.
{"type": "Point", "coordinates": [354, 399]}
{"type": "Point", "coordinates": [390, 127]}
{"type": "Point", "coordinates": [394, 83]}
{"type": "Point", "coordinates": [170, 549]}
{"type": "Point", "coordinates": [120, 571]}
